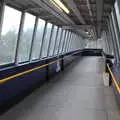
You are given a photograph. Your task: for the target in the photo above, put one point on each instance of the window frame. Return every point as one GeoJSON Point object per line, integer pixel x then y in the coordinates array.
{"type": "Point", "coordinates": [64, 42]}
{"type": "Point", "coordinates": [21, 32]}
{"type": "Point", "coordinates": [68, 42]}
{"type": "Point", "coordinates": [17, 37]}
{"type": "Point", "coordinates": [37, 23]}
{"type": "Point", "coordinates": [47, 22]}
{"type": "Point", "coordinates": [48, 52]}
{"type": "Point", "coordinates": [59, 42]}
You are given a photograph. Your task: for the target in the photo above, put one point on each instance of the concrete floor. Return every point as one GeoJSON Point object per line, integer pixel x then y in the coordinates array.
{"type": "Point", "coordinates": [76, 94]}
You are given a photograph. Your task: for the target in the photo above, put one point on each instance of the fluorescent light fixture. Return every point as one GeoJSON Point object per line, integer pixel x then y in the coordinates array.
{"type": "Point", "coordinates": [61, 5]}
{"type": "Point", "coordinates": [56, 5]}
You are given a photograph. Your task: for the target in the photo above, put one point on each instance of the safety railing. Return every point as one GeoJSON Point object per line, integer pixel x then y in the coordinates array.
{"type": "Point", "coordinates": [116, 83]}
{"type": "Point", "coordinates": [4, 80]}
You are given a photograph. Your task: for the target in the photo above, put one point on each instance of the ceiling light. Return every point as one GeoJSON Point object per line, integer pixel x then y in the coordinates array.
{"type": "Point", "coordinates": [61, 5]}
{"type": "Point", "coordinates": [56, 5]}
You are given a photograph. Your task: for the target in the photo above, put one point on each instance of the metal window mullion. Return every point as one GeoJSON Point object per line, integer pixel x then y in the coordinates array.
{"type": "Point", "coordinates": [114, 36]}
{"type": "Point", "coordinates": [19, 36]}
{"type": "Point", "coordinates": [55, 41]}
{"type": "Point", "coordinates": [118, 16]}
{"type": "Point", "coordinates": [68, 41]}
{"type": "Point", "coordinates": [64, 41]}
{"type": "Point", "coordinates": [51, 34]}
{"type": "Point", "coordinates": [33, 39]}
{"type": "Point", "coordinates": [2, 9]}
{"type": "Point", "coordinates": [106, 42]}
{"type": "Point", "coordinates": [58, 50]}
{"type": "Point", "coordinates": [109, 44]}
{"type": "Point", "coordinates": [117, 27]}
{"type": "Point", "coordinates": [44, 32]}
{"type": "Point", "coordinates": [75, 41]}
{"type": "Point", "coordinates": [63, 38]}
{"type": "Point", "coordinates": [115, 39]}
{"type": "Point", "coordinates": [110, 39]}
{"type": "Point", "coordinates": [111, 33]}
{"type": "Point", "coordinates": [71, 42]}
{"type": "Point", "coordinates": [116, 30]}
{"type": "Point", "coordinates": [111, 36]}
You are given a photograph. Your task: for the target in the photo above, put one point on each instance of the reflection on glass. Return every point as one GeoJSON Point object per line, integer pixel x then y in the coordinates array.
{"type": "Point", "coordinates": [62, 41]}
{"type": "Point", "coordinates": [8, 41]}
{"type": "Point", "coordinates": [58, 41]}
{"type": "Point", "coordinates": [53, 39]}
{"type": "Point", "coordinates": [46, 40]}
{"type": "Point", "coordinates": [38, 39]}
{"type": "Point", "coordinates": [25, 41]}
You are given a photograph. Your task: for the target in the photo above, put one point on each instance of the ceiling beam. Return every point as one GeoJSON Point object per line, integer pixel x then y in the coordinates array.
{"type": "Point", "coordinates": [89, 8]}
{"type": "Point", "coordinates": [60, 12]}
{"type": "Point", "coordinates": [50, 10]}
{"type": "Point", "coordinates": [77, 27]}
{"type": "Point", "coordinates": [99, 7]}
{"type": "Point", "coordinates": [71, 4]}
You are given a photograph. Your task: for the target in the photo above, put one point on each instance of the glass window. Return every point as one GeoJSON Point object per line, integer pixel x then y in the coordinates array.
{"type": "Point", "coordinates": [72, 43]}
{"type": "Point", "coordinates": [26, 38]}
{"type": "Point", "coordinates": [8, 41]}
{"type": "Point", "coordinates": [69, 46]}
{"type": "Point", "coordinates": [62, 41]}
{"type": "Point", "coordinates": [58, 41]}
{"type": "Point", "coordinates": [68, 42]}
{"type": "Point", "coordinates": [53, 40]}
{"type": "Point", "coordinates": [117, 12]}
{"type": "Point", "coordinates": [75, 42]}
{"type": "Point", "coordinates": [46, 40]}
{"type": "Point", "coordinates": [65, 42]}
{"type": "Point", "coordinates": [38, 39]}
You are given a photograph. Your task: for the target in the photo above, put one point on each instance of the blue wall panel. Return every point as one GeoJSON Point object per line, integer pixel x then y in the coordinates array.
{"type": "Point", "coordinates": [19, 84]}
